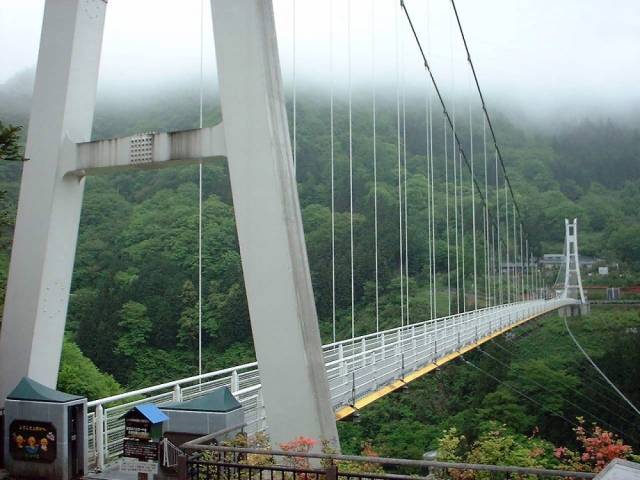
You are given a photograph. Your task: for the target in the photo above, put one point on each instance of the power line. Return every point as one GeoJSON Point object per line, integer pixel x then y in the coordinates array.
{"type": "Point", "coordinates": [602, 374]}
{"type": "Point", "coordinates": [538, 384]}
{"type": "Point", "coordinates": [524, 395]}
{"type": "Point", "coordinates": [590, 387]}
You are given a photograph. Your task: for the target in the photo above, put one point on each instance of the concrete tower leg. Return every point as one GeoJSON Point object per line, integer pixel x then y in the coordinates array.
{"type": "Point", "coordinates": [49, 205]}
{"type": "Point", "coordinates": [274, 258]}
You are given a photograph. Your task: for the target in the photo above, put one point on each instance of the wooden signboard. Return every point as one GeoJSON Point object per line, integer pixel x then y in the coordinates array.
{"type": "Point", "coordinates": [139, 428]}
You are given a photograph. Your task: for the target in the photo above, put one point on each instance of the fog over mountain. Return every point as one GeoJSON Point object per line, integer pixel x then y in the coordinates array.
{"type": "Point", "coordinates": [537, 59]}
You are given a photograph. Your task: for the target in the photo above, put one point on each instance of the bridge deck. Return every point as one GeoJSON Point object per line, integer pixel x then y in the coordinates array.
{"type": "Point", "coordinates": [359, 370]}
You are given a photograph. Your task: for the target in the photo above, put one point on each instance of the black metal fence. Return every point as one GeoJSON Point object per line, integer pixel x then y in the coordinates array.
{"type": "Point", "coordinates": [211, 462]}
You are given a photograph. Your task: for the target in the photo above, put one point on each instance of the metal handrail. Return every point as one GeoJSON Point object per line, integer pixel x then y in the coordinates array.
{"type": "Point", "coordinates": [388, 355]}
{"type": "Point", "coordinates": [194, 445]}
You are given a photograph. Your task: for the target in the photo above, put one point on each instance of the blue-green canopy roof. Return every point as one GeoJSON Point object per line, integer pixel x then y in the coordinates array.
{"type": "Point", "coordinates": [28, 389]}
{"type": "Point", "coordinates": [219, 400]}
{"type": "Point", "coordinates": [150, 411]}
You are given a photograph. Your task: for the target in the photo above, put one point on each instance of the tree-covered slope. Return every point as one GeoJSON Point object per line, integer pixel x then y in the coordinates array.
{"type": "Point", "coordinates": [136, 264]}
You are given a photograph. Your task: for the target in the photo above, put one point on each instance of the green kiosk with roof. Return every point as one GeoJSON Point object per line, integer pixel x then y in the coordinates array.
{"type": "Point", "coordinates": [218, 411]}
{"type": "Point", "coordinates": [44, 432]}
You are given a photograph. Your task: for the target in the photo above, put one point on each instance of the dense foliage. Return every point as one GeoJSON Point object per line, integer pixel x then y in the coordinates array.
{"type": "Point", "coordinates": [133, 308]}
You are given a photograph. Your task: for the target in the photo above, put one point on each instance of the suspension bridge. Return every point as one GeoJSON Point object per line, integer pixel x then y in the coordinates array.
{"type": "Point", "coordinates": [297, 386]}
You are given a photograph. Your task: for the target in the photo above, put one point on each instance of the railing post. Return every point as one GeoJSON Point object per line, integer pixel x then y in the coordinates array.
{"type": "Point", "coordinates": [343, 365]}
{"type": "Point", "coordinates": [413, 338]}
{"type": "Point", "coordinates": [99, 440]}
{"type": "Point", "coordinates": [353, 388]}
{"type": "Point", "coordinates": [261, 414]}
{"type": "Point", "coordinates": [177, 393]}
{"type": "Point", "coordinates": [331, 472]}
{"type": "Point", "coordinates": [343, 368]}
{"type": "Point", "coordinates": [235, 381]}
{"type": "Point", "coordinates": [182, 467]}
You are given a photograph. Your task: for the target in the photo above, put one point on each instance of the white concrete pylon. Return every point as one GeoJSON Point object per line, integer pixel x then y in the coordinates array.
{"type": "Point", "coordinates": [572, 279]}
{"type": "Point", "coordinates": [255, 138]}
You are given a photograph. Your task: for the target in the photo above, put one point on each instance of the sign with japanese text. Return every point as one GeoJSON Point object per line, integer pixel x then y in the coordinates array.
{"type": "Point", "coordinates": [31, 441]}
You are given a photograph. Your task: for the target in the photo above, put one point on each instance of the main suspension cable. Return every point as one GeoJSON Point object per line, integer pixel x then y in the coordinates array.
{"type": "Point", "coordinates": [484, 107]}
{"type": "Point", "coordinates": [457, 142]}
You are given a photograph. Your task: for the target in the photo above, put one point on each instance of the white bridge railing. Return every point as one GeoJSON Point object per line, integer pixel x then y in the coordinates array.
{"type": "Point", "coordinates": [355, 367]}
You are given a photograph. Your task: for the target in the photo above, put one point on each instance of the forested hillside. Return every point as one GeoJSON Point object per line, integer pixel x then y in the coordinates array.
{"type": "Point", "coordinates": [133, 309]}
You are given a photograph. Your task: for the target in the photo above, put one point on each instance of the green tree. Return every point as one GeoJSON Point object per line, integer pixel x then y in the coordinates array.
{"type": "Point", "coordinates": [135, 327]}
{"type": "Point", "coordinates": [79, 376]}
{"type": "Point", "coordinates": [9, 142]}
{"type": "Point", "coordinates": [188, 321]}
{"type": "Point", "coordinates": [625, 243]}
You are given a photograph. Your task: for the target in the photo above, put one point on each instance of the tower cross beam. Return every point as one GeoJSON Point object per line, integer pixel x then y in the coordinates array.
{"type": "Point", "coordinates": [145, 151]}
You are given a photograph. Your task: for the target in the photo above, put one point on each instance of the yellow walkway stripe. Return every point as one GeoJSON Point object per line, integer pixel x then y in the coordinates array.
{"type": "Point", "coordinates": [345, 412]}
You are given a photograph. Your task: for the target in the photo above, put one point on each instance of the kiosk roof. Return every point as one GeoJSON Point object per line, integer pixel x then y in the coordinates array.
{"type": "Point", "coordinates": [219, 400]}
{"type": "Point", "coordinates": [30, 390]}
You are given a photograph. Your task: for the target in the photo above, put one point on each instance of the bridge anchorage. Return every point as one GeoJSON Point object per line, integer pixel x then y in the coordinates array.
{"type": "Point", "coordinates": [330, 382]}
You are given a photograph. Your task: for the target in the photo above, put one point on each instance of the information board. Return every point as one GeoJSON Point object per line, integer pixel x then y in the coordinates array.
{"type": "Point", "coordinates": [133, 466]}
{"type": "Point", "coordinates": [137, 428]}
{"type": "Point", "coordinates": [141, 450]}
{"type": "Point", "coordinates": [31, 441]}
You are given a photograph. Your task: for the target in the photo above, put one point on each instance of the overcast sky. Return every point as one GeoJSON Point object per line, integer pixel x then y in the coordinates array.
{"type": "Point", "coordinates": [536, 51]}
